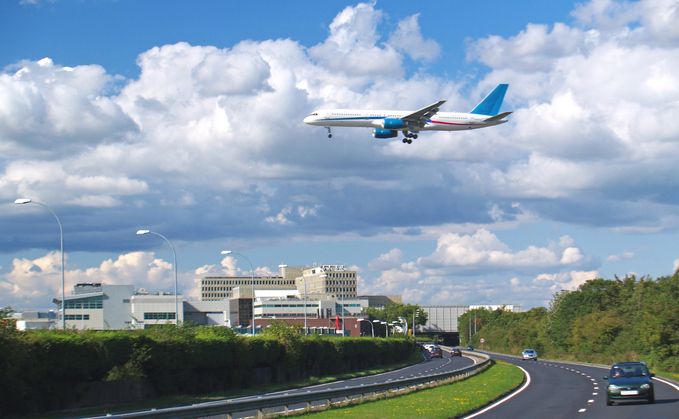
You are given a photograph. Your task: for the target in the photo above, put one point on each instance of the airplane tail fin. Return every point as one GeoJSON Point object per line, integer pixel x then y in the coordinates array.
{"type": "Point", "coordinates": [490, 105]}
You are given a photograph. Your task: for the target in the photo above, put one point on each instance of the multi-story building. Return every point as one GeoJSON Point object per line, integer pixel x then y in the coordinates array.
{"type": "Point", "coordinates": [97, 306]}
{"type": "Point", "coordinates": [33, 319]}
{"type": "Point", "coordinates": [214, 288]}
{"type": "Point", "coordinates": [327, 281]}
{"type": "Point", "coordinates": [322, 281]}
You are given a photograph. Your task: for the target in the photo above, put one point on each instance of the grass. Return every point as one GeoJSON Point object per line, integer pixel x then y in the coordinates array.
{"type": "Point", "coordinates": [446, 401]}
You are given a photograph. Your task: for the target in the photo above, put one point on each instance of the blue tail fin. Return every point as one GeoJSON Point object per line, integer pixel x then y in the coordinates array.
{"type": "Point", "coordinates": [490, 105]}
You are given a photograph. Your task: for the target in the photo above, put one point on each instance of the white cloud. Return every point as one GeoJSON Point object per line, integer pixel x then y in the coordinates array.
{"type": "Point", "coordinates": [409, 39]}
{"type": "Point", "coordinates": [534, 49]}
{"type": "Point", "coordinates": [351, 47]}
{"type": "Point", "coordinates": [564, 281]}
{"type": "Point", "coordinates": [214, 137]}
{"type": "Point", "coordinates": [483, 251]}
{"type": "Point", "coordinates": [386, 261]}
{"type": "Point", "coordinates": [620, 257]}
{"type": "Point", "coordinates": [50, 109]}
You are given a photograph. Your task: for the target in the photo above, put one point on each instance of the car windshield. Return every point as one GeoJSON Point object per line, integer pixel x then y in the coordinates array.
{"type": "Point", "coordinates": [626, 371]}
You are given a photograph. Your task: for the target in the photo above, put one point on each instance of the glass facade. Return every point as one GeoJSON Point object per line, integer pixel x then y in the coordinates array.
{"type": "Point", "coordinates": [159, 316]}
{"type": "Point", "coordinates": [77, 317]}
{"type": "Point", "coordinates": [85, 303]}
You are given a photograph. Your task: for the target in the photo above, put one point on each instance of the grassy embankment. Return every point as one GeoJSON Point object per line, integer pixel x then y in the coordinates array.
{"type": "Point", "coordinates": [446, 401]}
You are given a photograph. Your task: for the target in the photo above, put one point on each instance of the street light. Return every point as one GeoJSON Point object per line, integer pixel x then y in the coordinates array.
{"type": "Point", "coordinates": [252, 270]}
{"type": "Point", "coordinates": [386, 326]}
{"type": "Point", "coordinates": [377, 321]}
{"type": "Point", "coordinates": [176, 302]}
{"type": "Point", "coordinates": [61, 233]}
{"type": "Point", "coordinates": [371, 324]}
{"type": "Point", "coordinates": [415, 313]}
{"type": "Point", "coordinates": [342, 282]}
{"type": "Point", "coordinates": [404, 322]}
{"type": "Point", "coordinates": [304, 280]}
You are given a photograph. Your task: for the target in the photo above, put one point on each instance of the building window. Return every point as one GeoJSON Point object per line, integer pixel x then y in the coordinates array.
{"type": "Point", "coordinates": [77, 317]}
{"type": "Point", "coordinates": [159, 316]}
{"type": "Point", "coordinates": [85, 303]}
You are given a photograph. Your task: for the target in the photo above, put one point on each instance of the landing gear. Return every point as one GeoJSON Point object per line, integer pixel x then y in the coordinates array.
{"type": "Point", "coordinates": [409, 137]}
{"type": "Point", "coordinates": [329, 132]}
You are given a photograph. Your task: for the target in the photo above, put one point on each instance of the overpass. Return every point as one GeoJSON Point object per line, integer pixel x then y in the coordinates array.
{"type": "Point", "coordinates": [442, 320]}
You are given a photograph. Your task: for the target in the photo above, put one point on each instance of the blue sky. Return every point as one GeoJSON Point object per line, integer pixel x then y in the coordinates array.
{"type": "Point", "coordinates": [185, 118]}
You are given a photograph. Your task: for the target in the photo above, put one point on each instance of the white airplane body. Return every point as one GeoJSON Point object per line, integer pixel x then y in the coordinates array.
{"type": "Point", "coordinates": [387, 124]}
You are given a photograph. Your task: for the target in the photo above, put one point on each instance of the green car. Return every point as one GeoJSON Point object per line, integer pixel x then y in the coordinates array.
{"type": "Point", "coordinates": [629, 381]}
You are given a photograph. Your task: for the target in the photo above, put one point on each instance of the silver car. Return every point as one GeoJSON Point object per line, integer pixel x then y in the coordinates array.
{"type": "Point", "coordinates": [530, 354]}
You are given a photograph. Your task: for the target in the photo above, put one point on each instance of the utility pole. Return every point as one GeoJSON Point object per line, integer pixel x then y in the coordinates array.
{"type": "Point", "coordinates": [470, 325]}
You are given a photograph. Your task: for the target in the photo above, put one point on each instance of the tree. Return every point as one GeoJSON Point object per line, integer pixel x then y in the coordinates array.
{"type": "Point", "coordinates": [6, 320]}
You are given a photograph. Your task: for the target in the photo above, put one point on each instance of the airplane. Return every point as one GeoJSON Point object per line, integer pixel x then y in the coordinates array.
{"type": "Point", "coordinates": [387, 124]}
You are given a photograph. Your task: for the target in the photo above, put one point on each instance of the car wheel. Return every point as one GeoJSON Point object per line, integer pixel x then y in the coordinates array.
{"type": "Point", "coordinates": [609, 402]}
{"type": "Point", "coordinates": [651, 398]}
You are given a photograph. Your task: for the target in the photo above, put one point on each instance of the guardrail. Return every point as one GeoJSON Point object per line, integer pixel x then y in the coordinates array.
{"type": "Point", "coordinates": [227, 408]}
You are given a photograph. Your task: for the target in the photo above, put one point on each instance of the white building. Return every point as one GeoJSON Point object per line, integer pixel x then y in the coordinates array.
{"type": "Point", "coordinates": [33, 320]}
{"type": "Point", "coordinates": [99, 307]}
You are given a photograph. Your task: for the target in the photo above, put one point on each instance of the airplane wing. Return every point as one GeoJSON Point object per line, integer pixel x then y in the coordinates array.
{"type": "Point", "coordinates": [420, 117]}
{"type": "Point", "coordinates": [496, 117]}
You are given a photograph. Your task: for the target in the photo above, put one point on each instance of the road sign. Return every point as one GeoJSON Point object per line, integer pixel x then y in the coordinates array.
{"type": "Point", "coordinates": [482, 340]}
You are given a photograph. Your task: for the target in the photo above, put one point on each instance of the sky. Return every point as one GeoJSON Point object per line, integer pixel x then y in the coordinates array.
{"type": "Point", "coordinates": [185, 118]}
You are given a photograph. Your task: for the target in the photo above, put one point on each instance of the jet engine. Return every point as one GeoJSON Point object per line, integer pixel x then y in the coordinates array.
{"type": "Point", "coordinates": [384, 133]}
{"type": "Point", "coordinates": [391, 123]}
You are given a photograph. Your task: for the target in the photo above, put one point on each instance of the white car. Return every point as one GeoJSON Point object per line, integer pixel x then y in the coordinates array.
{"type": "Point", "coordinates": [530, 354]}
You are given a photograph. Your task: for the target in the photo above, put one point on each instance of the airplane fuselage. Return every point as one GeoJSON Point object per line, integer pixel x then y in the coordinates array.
{"type": "Point", "coordinates": [441, 121]}
{"type": "Point", "coordinates": [387, 124]}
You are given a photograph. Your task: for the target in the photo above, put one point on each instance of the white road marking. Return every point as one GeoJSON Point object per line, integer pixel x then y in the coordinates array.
{"type": "Point", "coordinates": [499, 402]}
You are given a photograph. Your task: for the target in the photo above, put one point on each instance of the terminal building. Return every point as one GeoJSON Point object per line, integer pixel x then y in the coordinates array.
{"type": "Point", "coordinates": [328, 292]}
{"type": "Point", "coordinates": [323, 298]}
{"type": "Point", "coordinates": [319, 282]}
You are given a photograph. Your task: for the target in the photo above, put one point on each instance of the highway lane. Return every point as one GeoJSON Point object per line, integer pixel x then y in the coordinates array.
{"type": "Point", "coordinates": [428, 366]}
{"type": "Point", "coordinates": [566, 390]}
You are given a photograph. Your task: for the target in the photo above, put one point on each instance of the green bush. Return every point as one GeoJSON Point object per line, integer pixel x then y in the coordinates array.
{"type": "Point", "coordinates": [39, 369]}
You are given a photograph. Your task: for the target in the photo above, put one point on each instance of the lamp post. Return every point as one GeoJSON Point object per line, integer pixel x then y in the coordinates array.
{"type": "Point", "coordinates": [377, 321]}
{"type": "Point", "coordinates": [394, 323]}
{"type": "Point", "coordinates": [61, 233]}
{"type": "Point", "coordinates": [304, 280]}
{"type": "Point", "coordinates": [176, 302]}
{"type": "Point", "coordinates": [405, 323]}
{"type": "Point", "coordinates": [386, 326]}
{"type": "Point", "coordinates": [252, 270]}
{"type": "Point", "coordinates": [342, 282]}
{"type": "Point", "coordinates": [415, 313]}
{"type": "Point", "coordinates": [371, 325]}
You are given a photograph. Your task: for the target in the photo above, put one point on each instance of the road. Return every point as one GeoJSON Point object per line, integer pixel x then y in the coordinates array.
{"type": "Point", "coordinates": [564, 390]}
{"type": "Point", "coordinates": [426, 367]}
{"type": "Point", "coordinates": [423, 369]}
